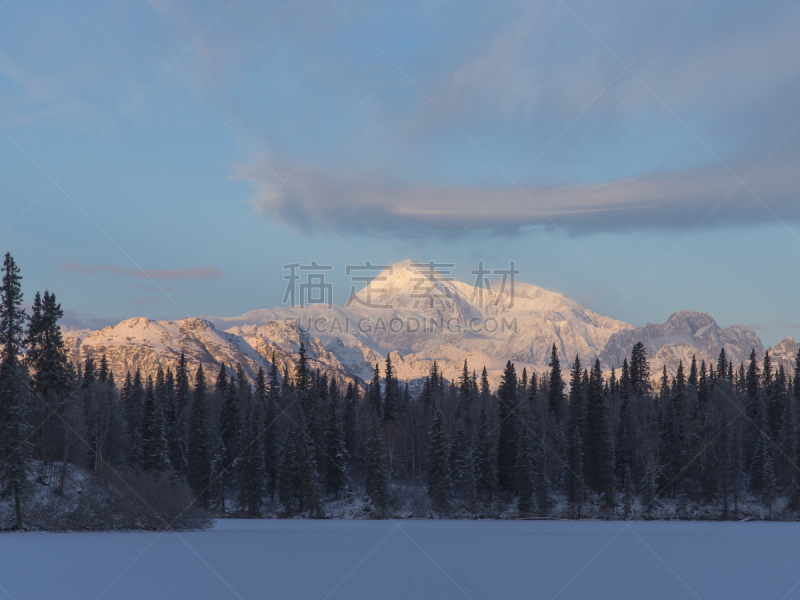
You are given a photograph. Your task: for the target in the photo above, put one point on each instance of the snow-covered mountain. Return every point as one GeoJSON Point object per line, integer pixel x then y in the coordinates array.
{"type": "Point", "coordinates": [685, 334]}
{"type": "Point", "coordinates": [419, 317]}
{"type": "Point", "coordinates": [144, 344]}
{"type": "Point", "coordinates": [433, 318]}
{"type": "Point", "coordinates": [784, 353]}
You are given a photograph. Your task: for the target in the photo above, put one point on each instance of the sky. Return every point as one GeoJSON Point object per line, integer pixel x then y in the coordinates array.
{"type": "Point", "coordinates": [167, 158]}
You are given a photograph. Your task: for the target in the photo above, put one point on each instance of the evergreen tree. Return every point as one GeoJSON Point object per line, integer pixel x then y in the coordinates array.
{"type": "Point", "coordinates": [350, 421]}
{"type": "Point", "coordinates": [508, 430]}
{"type": "Point", "coordinates": [600, 448]}
{"type": "Point", "coordinates": [650, 485]}
{"type": "Point", "coordinates": [525, 472]}
{"type": "Point", "coordinates": [103, 374]}
{"type": "Point", "coordinates": [303, 374]}
{"type": "Point", "coordinates": [89, 376]}
{"type": "Point", "coordinates": [288, 471]}
{"type": "Point", "coordinates": [392, 393]}
{"type": "Point", "coordinates": [374, 395]}
{"type": "Point", "coordinates": [639, 371]}
{"type": "Point", "coordinates": [674, 434]}
{"type": "Point", "coordinates": [222, 380]}
{"type": "Point", "coordinates": [459, 464]}
{"type": "Point", "coordinates": [229, 420]}
{"type": "Point", "coordinates": [769, 483]}
{"type": "Point", "coordinates": [269, 399]}
{"type": "Point", "coordinates": [556, 385]}
{"type": "Point", "coordinates": [310, 489]}
{"type": "Point", "coordinates": [722, 364]}
{"type": "Point", "coordinates": [200, 443]}
{"type": "Point", "coordinates": [573, 476]}
{"type": "Point", "coordinates": [541, 476]}
{"type": "Point", "coordinates": [251, 472]}
{"type": "Point", "coordinates": [45, 351]}
{"type": "Point", "coordinates": [176, 445]}
{"type": "Point", "coordinates": [182, 394]}
{"type": "Point", "coordinates": [52, 376]}
{"type": "Point", "coordinates": [15, 393]}
{"type": "Point", "coordinates": [376, 484]}
{"type": "Point", "coordinates": [134, 407]}
{"type": "Point", "coordinates": [465, 382]}
{"type": "Point", "coordinates": [336, 464]}
{"type": "Point", "coordinates": [484, 460]}
{"type": "Point", "coordinates": [628, 493]}
{"type": "Point", "coordinates": [438, 474]}
{"type": "Point", "coordinates": [153, 430]}
{"type": "Point", "coordinates": [485, 391]}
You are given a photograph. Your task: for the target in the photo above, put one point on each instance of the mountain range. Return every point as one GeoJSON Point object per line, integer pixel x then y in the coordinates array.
{"type": "Point", "coordinates": [418, 316]}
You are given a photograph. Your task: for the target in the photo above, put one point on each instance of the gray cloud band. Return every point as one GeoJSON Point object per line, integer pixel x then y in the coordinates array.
{"type": "Point", "coordinates": [673, 201]}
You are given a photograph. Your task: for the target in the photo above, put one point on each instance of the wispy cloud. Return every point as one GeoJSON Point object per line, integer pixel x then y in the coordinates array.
{"type": "Point", "coordinates": [208, 272]}
{"type": "Point", "coordinates": [708, 196]}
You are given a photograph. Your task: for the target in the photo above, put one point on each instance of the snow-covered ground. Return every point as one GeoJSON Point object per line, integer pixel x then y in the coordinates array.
{"type": "Point", "coordinates": [411, 559]}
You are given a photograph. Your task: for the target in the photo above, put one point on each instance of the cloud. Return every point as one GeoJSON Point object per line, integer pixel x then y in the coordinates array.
{"type": "Point", "coordinates": [208, 272]}
{"type": "Point", "coordinates": [315, 200]}
{"type": "Point", "coordinates": [513, 84]}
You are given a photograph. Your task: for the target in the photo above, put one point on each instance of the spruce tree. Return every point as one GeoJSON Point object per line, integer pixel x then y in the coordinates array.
{"type": "Point", "coordinates": [269, 398]}
{"type": "Point", "coordinates": [336, 453]}
{"type": "Point", "coordinates": [542, 475]}
{"type": "Point", "coordinates": [376, 484]}
{"type": "Point", "coordinates": [251, 472]}
{"type": "Point", "coordinates": [310, 489]}
{"type": "Point", "coordinates": [485, 391]}
{"type": "Point", "coordinates": [134, 407]}
{"type": "Point", "coordinates": [15, 393]}
{"type": "Point", "coordinates": [628, 497]}
{"type": "Point", "coordinates": [200, 443]}
{"type": "Point", "coordinates": [176, 443]}
{"type": "Point", "coordinates": [392, 394]}
{"type": "Point", "coordinates": [639, 371]}
{"type": "Point", "coordinates": [182, 393]}
{"type": "Point", "coordinates": [222, 380]}
{"type": "Point", "coordinates": [508, 429]}
{"type": "Point", "coordinates": [230, 419]}
{"type": "Point", "coordinates": [288, 472]}
{"type": "Point", "coordinates": [153, 431]}
{"type": "Point", "coordinates": [459, 462]}
{"type": "Point", "coordinates": [556, 385]}
{"type": "Point", "coordinates": [573, 476]}
{"type": "Point", "coordinates": [350, 422]}
{"type": "Point", "coordinates": [438, 474]}
{"type": "Point", "coordinates": [484, 459]}
{"type": "Point", "coordinates": [52, 375]}
{"type": "Point", "coordinates": [374, 395]}
{"type": "Point", "coordinates": [600, 447]}
{"type": "Point", "coordinates": [465, 382]}
{"type": "Point", "coordinates": [525, 473]}
{"type": "Point", "coordinates": [46, 354]}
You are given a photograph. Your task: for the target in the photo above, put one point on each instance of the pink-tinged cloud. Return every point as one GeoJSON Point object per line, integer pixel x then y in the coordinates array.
{"type": "Point", "coordinates": [182, 274]}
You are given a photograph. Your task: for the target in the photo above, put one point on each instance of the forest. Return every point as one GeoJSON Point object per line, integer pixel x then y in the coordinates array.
{"type": "Point", "coordinates": [174, 450]}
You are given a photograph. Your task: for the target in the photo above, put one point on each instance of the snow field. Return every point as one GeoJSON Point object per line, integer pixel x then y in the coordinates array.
{"type": "Point", "coordinates": [301, 559]}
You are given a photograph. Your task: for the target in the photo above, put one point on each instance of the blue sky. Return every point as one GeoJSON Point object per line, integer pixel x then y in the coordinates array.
{"type": "Point", "coordinates": [640, 157]}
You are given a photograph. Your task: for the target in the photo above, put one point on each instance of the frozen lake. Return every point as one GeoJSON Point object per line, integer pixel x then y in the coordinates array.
{"type": "Point", "coordinates": [296, 559]}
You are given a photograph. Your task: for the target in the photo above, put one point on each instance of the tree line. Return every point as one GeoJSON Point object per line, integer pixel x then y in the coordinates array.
{"type": "Point", "coordinates": [722, 438]}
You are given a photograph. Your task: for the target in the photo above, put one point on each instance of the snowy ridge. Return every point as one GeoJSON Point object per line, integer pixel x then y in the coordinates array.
{"type": "Point", "coordinates": [685, 334]}
{"type": "Point", "coordinates": [535, 319]}
{"type": "Point", "coordinates": [141, 343]}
